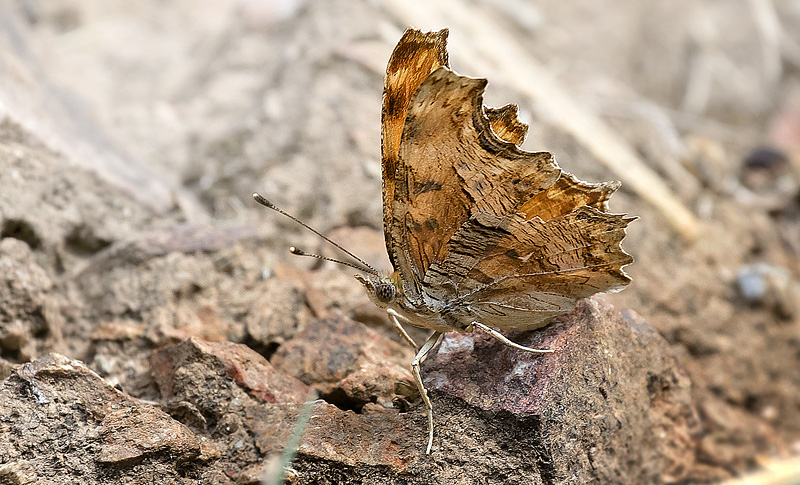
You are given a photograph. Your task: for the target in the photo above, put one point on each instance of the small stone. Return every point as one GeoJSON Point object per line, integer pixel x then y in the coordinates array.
{"type": "Point", "coordinates": [196, 368]}
{"type": "Point", "coordinates": [771, 286]}
{"type": "Point", "coordinates": [349, 363]}
{"type": "Point", "coordinates": [278, 313]}
{"type": "Point", "coordinates": [133, 432]}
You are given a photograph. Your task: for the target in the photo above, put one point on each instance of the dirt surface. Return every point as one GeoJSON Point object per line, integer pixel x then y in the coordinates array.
{"type": "Point", "coordinates": [131, 138]}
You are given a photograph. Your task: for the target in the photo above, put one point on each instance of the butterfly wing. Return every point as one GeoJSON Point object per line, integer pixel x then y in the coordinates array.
{"type": "Point", "coordinates": [416, 55]}
{"type": "Point", "coordinates": [514, 272]}
{"type": "Point", "coordinates": [451, 164]}
{"type": "Point", "coordinates": [493, 230]}
{"type": "Point", "coordinates": [490, 231]}
{"type": "Point", "coordinates": [506, 125]}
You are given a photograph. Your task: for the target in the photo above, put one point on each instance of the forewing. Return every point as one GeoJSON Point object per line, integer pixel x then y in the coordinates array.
{"type": "Point", "coordinates": [452, 164]}
{"type": "Point", "coordinates": [416, 55]}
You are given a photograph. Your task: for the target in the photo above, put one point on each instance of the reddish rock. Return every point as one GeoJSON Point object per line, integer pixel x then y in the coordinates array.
{"type": "Point", "coordinates": [372, 438]}
{"type": "Point", "coordinates": [194, 367]}
{"type": "Point", "coordinates": [131, 433]}
{"type": "Point", "coordinates": [610, 402]}
{"type": "Point", "coordinates": [60, 420]}
{"type": "Point", "coordinates": [347, 362]}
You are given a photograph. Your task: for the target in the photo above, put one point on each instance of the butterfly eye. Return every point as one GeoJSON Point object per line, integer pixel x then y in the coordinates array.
{"type": "Point", "coordinates": [384, 292]}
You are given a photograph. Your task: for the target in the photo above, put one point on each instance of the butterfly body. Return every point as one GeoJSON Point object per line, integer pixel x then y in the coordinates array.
{"type": "Point", "coordinates": [422, 312]}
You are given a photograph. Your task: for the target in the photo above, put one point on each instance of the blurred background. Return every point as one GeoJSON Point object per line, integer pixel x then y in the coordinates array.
{"type": "Point", "coordinates": [184, 108]}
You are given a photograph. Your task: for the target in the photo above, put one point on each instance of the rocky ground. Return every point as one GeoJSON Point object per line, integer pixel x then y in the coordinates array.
{"type": "Point", "coordinates": [153, 326]}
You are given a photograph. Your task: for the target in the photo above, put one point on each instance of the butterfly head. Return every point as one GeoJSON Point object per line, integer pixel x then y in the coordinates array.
{"type": "Point", "coordinates": [380, 289]}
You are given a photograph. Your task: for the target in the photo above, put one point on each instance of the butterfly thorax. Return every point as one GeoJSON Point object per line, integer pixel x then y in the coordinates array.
{"type": "Point", "coordinates": [387, 293]}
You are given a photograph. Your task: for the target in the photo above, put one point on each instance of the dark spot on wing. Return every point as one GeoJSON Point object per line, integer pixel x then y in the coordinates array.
{"type": "Point", "coordinates": [429, 186]}
{"type": "Point", "coordinates": [431, 224]}
{"type": "Point", "coordinates": [394, 105]}
{"type": "Point", "coordinates": [412, 225]}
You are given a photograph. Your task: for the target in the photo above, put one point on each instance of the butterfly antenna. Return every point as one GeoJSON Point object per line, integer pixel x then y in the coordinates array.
{"type": "Point", "coordinates": [367, 268]}
{"type": "Point", "coordinates": [300, 252]}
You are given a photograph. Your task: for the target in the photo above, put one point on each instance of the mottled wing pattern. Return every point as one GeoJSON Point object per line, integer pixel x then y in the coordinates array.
{"type": "Point", "coordinates": [568, 193]}
{"type": "Point", "coordinates": [491, 232]}
{"type": "Point", "coordinates": [514, 272]}
{"type": "Point", "coordinates": [498, 232]}
{"type": "Point", "coordinates": [416, 55]}
{"type": "Point", "coordinates": [451, 164]}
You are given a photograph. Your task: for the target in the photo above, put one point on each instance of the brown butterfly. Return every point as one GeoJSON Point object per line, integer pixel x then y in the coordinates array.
{"type": "Point", "coordinates": [480, 233]}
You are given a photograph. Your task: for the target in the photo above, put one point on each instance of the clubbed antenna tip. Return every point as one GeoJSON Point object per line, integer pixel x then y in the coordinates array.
{"type": "Point", "coordinates": [365, 266]}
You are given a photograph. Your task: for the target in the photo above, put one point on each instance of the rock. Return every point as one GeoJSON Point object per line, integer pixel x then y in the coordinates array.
{"type": "Point", "coordinates": [347, 362]}
{"type": "Point", "coordinates": [29, 306]}
{"type": "Point", "coordinates": [196, 370]}
{"type": "Point", "coordinates": [250, 409]}
{"type": "Point", "coordinates": [609, 406]}
{"type": "Point", "coordinates": [61, 421]}
{"type": "Point", "coordinates": [277, 314]}
{"type": "Point", "coordinates": [132, 433]}
{"type": "Point", "coordinates": [341, 437]}
{"type": "Point", "coordinates": [611, 402]}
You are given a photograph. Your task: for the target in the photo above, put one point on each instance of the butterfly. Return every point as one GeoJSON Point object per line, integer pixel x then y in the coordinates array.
{"type": "Point", "coordinates": [480, 233]}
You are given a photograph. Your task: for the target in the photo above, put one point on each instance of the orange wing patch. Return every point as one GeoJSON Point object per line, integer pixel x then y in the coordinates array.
{"type": "Point", "coordinates": [506, 125]}
{"type": "Point", "coordinates": [416, 55]}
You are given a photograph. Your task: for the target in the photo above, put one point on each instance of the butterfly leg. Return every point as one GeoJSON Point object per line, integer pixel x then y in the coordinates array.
{"type": "Point", "coordinates": [395, 318]}
{"type": "Point", "coordinates": [499, 336]}
{"type": "Point", "coordinates": [426, 347]}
